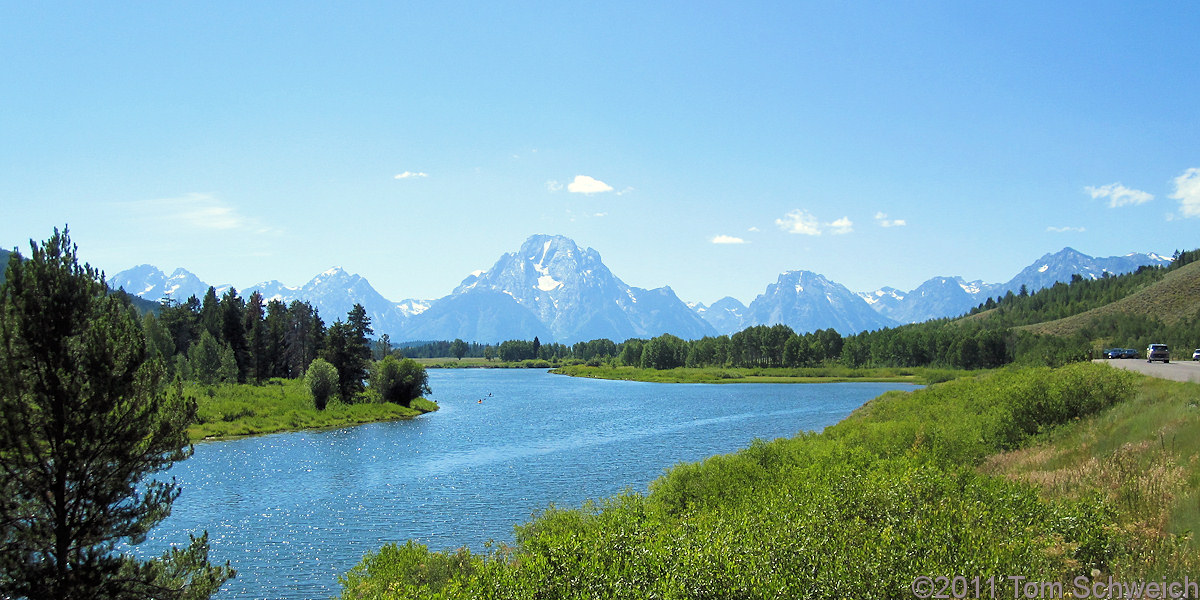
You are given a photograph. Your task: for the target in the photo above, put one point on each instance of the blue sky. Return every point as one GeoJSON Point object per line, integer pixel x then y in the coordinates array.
{"type": "Point", "coordinates": [875, 143]}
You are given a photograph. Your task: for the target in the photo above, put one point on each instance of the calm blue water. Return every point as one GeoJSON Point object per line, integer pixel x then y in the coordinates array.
{"type": "Point", "coordinates": [293, 511]}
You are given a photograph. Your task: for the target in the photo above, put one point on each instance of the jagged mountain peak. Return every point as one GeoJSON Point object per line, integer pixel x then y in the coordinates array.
{"type": "Point", "coordinates": [807, 301]}
{"type": "Point", "coordinates": [569, 290]}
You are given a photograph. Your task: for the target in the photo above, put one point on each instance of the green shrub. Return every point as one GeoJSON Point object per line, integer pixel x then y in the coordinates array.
{"type": "Point", "coordinates": [322, 381]}
{"type": "Point", "coordinates": [399, 381]}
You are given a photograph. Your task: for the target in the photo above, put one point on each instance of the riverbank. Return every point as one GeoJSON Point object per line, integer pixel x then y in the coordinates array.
{"type": "Point", "coordinates": [916, 375]}
{"type": "Point", "coordinates": [912, 484]}
{"type": "Point", "coordinates": [236, 410]}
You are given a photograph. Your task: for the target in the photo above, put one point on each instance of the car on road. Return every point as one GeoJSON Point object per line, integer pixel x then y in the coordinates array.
{"type": "Point", "coordinates": [1196, 354]}
{"type": "Point", "coordinates": [1114, 353]}
{"type": "Point", "coordinates": [1158, 352]}
{"type": "Point", "coordinates": [1130, 353]}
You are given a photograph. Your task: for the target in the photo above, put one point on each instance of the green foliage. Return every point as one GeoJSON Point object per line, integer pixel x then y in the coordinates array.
{"type": "Point", "coordinates": [855, 512]}
{"type": "Point", "coordinates": [282, 405]}
{"type": "Point", "coordinates": [349, 351]}
{"type": "Point", "coordinates": [399, 381]}
{"type": "Point", "coordinates": [87, 422]}
{"type": "Point", "coordinates": [322, 382]}
{"type": "Point", "coordinates": [664, 352]}
{"type": "Point", "coordinates": [210, 361]}
{"type": "Point", "coordinates": [458, 348]}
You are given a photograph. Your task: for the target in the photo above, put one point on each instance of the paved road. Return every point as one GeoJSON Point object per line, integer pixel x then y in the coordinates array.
{"type": "Point", "coordinates": [1181, 370]}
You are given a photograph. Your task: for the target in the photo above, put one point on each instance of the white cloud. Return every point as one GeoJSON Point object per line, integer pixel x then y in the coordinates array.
{"type": "Point", "coordinates": [883, 221]}
{"type": "Point", "coordinates": [842, 226]}
{"type": "Point", "coordinates": [1118, 195]}
{"type": "Point", "coordinates": [728, 239]}
{"type": "Point", "coordinates": [553, 185]}
{"type": "Point", "coordinates": [410, 175]}
{"type": "Point", "coordinates": [584, 184]}
{"type": "Point", "coordinates": [753, 229]}
{"type": "Point", "coordinates": [1187, 192]}
{"type": "Point", "coordinates": [1065, 229]}
{"type": "Point", "coordinates": [799, 221]}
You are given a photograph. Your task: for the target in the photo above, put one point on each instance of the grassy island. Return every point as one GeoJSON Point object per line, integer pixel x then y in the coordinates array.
{"type": "Point", "coordinates": [761, 375]}
{"type": "Point", "coordinates": [1050, 474]}
{"type": "Point", "coordinates": [230, 410]}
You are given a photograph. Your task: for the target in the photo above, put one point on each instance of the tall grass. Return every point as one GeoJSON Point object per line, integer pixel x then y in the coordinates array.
{"type": "Point", "coordinates": [1143, 458]}
{"type": "Point", "coordinates": [857, 511]}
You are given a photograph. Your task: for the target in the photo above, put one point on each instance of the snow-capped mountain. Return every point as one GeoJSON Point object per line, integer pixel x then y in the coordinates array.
{"type": "Point", "coordinates": [336, 291]}
{"type": "Point", "coordinates": [557, 291]}
{"type": "Point", "coordinates": [567, 290]}
{"type": "Point", "coordinates": [727, 315]}
{"type": "Point", "coordinates": [939, 297]}
{"type": "Point", "coordinates": [1061, 265]}
{"type": "Point", "coordinates": [150, 283]}
{"type": "Point", "coordinates": [806, 301]}
{"type": "Point", "coordinates": [884, 299]}
{"type": "Point", "coordinates": [333, 293]}
{"type": "Point", "coordinates": [943, 297]}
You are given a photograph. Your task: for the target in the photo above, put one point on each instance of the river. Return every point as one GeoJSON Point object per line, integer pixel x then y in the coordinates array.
{"type": "Point", "coordinates": [293, 511]}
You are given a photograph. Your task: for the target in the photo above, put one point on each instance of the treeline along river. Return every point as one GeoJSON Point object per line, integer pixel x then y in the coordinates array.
{"type": "Point", "coordinates": [293, 511]}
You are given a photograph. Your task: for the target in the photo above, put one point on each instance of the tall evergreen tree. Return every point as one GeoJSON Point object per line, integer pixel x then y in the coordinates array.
{"type": "Point", "coordinates": [276, 346]}
{"type": "Point", "coordinates": [233, 331]}
{"type": "Point", "coordinates": [210, 314]}
{"type": "Point", "coordinates": [256, 339]}
{"type": "Point", "coordinates": [85, 421]}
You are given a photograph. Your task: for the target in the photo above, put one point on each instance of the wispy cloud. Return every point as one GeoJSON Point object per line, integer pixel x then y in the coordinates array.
{"type": "Point", "coordinates": [1118, 195]}
{"type": "Point", "coordinates": [753, 229]}
{"type": "Point", "coordinates": [799, 221]}
{"type": "Point", "coordinates": [199, 211]}
{"type": "Point", "coordinates": [553, 185]}
{"type": "Point", "coordinates": [1187, 192]}
{"type": "Point", "coordinates": [1065, 229]}
{"type": "Point", "coordinates": [410, 175]}
{"type": "Point", "coordinates": [728, 239]}
{"type": "Point", "coordinates": [883, 221]}
{"type": "Point", "coordinates": [584, 184]}
{"type": "Point", "coordinates": [841, 226]}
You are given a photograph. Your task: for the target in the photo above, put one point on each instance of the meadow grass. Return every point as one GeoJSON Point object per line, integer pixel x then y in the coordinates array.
{"type": "Point", "coordinates": [906, 486]}
{"type": "Point", "coordinates": [230, 410]}
{"type": "Point", "coordinates": [831, 374]}
{"type": "Point", "coordinates": [1142, 457]}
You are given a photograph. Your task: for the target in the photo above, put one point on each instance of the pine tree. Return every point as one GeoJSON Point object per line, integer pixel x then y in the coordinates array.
{"type": "Point", "coordinates": [233, 332]}
{"type": "Point", "coordinates": [256, 339]}
{"type": "Point", "coordinates": [85, 421]}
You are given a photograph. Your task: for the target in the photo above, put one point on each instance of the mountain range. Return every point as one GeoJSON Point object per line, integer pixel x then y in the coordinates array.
{"type": "Point", "coordinates": [555, 290]}
{"type": "Point", "coordinates": [942, 297]}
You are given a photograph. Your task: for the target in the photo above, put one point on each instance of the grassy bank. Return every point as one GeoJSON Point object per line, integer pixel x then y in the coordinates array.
{"type": "Point", "coordinates": [483, 363]}
{"type": "Point", "coordinates": [910, 484]}
{"type": "Point", "coordinates": [780, 375]}
{"type": "Point", "coordinates": [281, 405]}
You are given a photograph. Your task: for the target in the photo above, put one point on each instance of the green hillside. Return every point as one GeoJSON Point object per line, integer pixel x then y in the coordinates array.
{"type": "Point", "coordinates": [1173, 299]}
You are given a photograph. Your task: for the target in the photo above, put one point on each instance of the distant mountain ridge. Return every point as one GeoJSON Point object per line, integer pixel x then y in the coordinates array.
{"type": "Point", "coordinates": [558, 291]}
{"type": "Point", "coordinates": [945, 297]}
